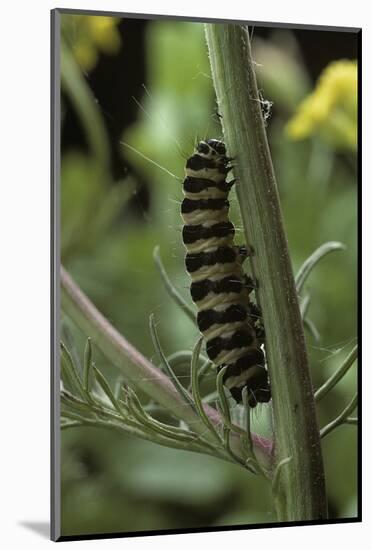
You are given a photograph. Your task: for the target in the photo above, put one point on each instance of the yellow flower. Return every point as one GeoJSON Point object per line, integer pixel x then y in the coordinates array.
{"type": "Point", "coordinates": [104, 33]}
{"type": "Point", "coordinates": [91, 34]}
{"type": "Point", "coordinates": [331, 109]}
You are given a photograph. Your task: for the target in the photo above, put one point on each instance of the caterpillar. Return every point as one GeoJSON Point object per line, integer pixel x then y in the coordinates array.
{"type": "Point", "coordinates": [226, 317]}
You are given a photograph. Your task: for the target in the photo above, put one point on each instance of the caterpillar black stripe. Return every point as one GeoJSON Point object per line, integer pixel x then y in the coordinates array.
{"type": "Point", "coordinates": [226, 316]}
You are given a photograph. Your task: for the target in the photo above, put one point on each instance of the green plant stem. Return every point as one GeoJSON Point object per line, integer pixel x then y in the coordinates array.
{"type": "Point", "coordinates": [300, 493]}
{"type": "Point", "coordinates": [137, 369]}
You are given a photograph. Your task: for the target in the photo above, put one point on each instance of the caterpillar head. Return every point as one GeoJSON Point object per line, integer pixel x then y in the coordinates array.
{"type": "Point", "coordinates": [212, 149]}
{"type": "Point", "coordinates": [209, 161]}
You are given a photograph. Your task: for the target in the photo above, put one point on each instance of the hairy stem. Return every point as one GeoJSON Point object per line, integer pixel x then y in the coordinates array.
{"type": "Point", "coordinates": [300, 489]}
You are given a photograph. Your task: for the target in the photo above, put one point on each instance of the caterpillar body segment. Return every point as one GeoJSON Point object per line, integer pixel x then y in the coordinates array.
{"type": "Point", "coordinates": [229, 321]}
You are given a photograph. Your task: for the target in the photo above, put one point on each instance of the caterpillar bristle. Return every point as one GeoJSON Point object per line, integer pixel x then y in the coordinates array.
{"type": "Point", "coordinates": [229, 321]}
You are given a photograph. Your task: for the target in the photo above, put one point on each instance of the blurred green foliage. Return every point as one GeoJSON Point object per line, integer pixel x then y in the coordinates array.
{"type": "Point", "coordinates": [112, 482]}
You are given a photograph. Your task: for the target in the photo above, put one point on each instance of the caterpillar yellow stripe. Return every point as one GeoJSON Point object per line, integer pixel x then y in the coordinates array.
{"type": "Point", "coordinates": [226, 314]}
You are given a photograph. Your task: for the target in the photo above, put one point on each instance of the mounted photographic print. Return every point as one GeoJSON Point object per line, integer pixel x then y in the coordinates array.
{"type": "Point", "coordinates": [204, 201]}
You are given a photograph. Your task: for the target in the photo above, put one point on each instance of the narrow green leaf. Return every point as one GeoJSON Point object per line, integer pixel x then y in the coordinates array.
{"type": "Point", "coordinates": [250, 464]}
{"type": "Point", "coordinates": [337, 376]}
{"type": "Point", "coordinates": [117, 388]}
{"type": "Point", "coordinates": [278, 472]}
{"type": "Point", "coordinates": [87, 365]}
{"type": "Point", "coordinates": [304, 305]}
{"type": "Point", "coordinates": [196, 392]}
{"type": "Point", "coordinates": [246, 438]}
{"type": "Point", "coordinates": [341, 419]}
{"type": "Point", "coordinates": [229, 449]}
{"type": "Point", "coordinates": [168, 431]}
{"type": "Point", "coordinates": [70, 372]}
{"type": "Point", "coordinates": [70, 343]}
{"type": "Point", "coordinates": [152, 425]}
{"type": "Point", "coordinates": [203, 370]}
{"type": "Point", "coordinates": [172, 291]}
{"type": "Point", "coordinates": [221, 394]}
{"type": "Point", "coordinates": [156, 342]}
{"type": "Point", "coordinates": [183, 357]}
{"type": "Point", "coordinates": [97, 408]}
{"type": "Point", "coordinates": [70, 400]}
{"type": "Point", "coordinates": [107, 390]}
{"type": "Point", "coordinates": [66, 377]}
{"type": "Point", "coordinates": [223, 402]}
{"type": "Point", "coordinates": [313, 260]}
{"type": "Point", "coordinates": [311, 327]}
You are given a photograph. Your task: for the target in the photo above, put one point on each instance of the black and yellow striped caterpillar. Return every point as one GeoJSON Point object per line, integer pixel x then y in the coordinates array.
{"type": "Point", "coordinates": [226, 316]}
